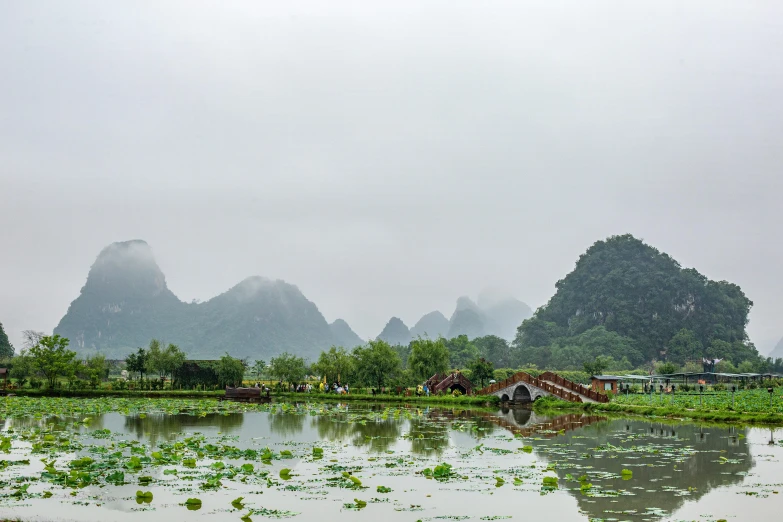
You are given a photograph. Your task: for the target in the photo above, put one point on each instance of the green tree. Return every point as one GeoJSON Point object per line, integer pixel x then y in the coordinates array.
{"type": "Point", "coordinates": [597, 366]}
{"type": "Point", "coordinates": [259, 368]}
{"type": "Point", "coordinates": [336, 364]}
{"type": "Point", "coordinates": [93, 369]}
{"type": "Point", "coordinates": [461, 351]}
{"type": "Point", "coordinates": [137, 362]}
{"type": "Point", "coordinates": [6, 349]}
{"type": "Point", "coordinates": [164, 361]}
{"type": "Point", "coordinates": [725, 366]}
{"type": "Point", "coordinates": [404, 351]}
{"type": "Point", "coordinates": [683, 347]}
{"type": "Point", "coordinates": [481, 370]}
{"type": "Point", "coordinates": [428, 357]}
{"type": "Point", "coordinates": [51, 358]}
{"type": "Point", "coordinates": [496, 350]}
{"type": "Point", "coordinates": [230, 371]}
{"type": "Point", "coordinates": [288, 368]}
{"type": "Point", "coordinates": [21, 365]}
{"type": "Point", "coordinates": [666, 368]}
{"type": "Point", "coordinates": [535, 332]}
{"type": "Point", "coordinates": [154, 361]}
{"type": "Point", "coordinates": [376, 363]}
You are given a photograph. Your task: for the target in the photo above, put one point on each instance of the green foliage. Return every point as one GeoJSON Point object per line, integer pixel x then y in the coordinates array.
{"type": "Point", "coordinates": [377, 363]}
{"type": "Point", "coordinates": [572, 352]}
{"type": "Point", "coordinates": [288, 368]}
{"type": "Point", "coordinates": [666, 368]}
{"type": "Point", "coordinates": [164, 361]}
{"type": "Point", "coordinates": [230, 371]}
{"type": "Point", "coordinates": [51, 358]}
{"type": "Point", "coordinates": [442, 472]}
{"type": "Point", "coordinates": [428, 357]}
{"type": "Point", "coordinates": [481, 371]}
{"type": "Point", "coordinates": [193, 374]}
{"type": "Point", "coordinates": [22, 365]}
{"type": "Point", "coordinates": [258, 369]}
{"type": "Point", "coordinates": [635, 301]}
{"type": "Point", "coordinates": [684, 346]}
{"type": "Point", "coordinates": [461, 351]}
{"type": "Point", "coordinates": [336, 364]}
{"type": "Point", "coordinates": [137, 362]}
{"type": "Point", "coordinates": [598, 365]}
{"type": "Point", "coordinates": [93, 369]}
{"type": "Point", "coordinates": [495, 350]}
{"type": "Point", "coordinates": [6, 349]}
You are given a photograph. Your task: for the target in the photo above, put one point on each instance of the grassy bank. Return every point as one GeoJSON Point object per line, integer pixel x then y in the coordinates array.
{"type": "Point", "coordinates": [463, 400]}
{"type": "Point", "coordinates": [555, 406]}
{"type": "Point", "coordinates": [179, 394]}
{"type": "Point", "coordinates": [469, 400]}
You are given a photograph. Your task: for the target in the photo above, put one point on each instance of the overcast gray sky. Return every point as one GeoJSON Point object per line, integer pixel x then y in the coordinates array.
{"type": "Point", "coordinates": [387, 157]}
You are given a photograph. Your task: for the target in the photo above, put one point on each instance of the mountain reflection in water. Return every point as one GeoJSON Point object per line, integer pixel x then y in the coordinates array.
{"type": "Point", "coordinates": [671, 463]}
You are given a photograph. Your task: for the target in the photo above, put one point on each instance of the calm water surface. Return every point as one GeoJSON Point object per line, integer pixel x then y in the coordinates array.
{"type": "Point", "coordinates": [678, 471]}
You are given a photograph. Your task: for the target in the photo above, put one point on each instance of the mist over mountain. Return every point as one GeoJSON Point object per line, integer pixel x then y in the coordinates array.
{"type": "Point", "coordinates": [126, 302]}
{"type": "Point", "coordinates": [344, 335]}
{"type": "Point", "coordinates": [468, 319]}
{"type": "Point", "coordinates": [432, 325]}
{"type": "Point", "coordinates": [503, 312]}
{"type": "Point", "coordinates": [395, 332]}
{"type": "Point", "coordinates": [777, 352]}
{"type": "Point", "coordinates": [495, 313]}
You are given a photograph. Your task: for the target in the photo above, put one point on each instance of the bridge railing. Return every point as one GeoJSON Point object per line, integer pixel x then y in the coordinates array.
{"type": "Point", "coordinates": [529, 379]}
{"type": "Point", "coordinates": [578, 388]}
{"type": "Point", "coordinates": [452, 379]}
{"type": "Point", "coordinates": [573, 392]}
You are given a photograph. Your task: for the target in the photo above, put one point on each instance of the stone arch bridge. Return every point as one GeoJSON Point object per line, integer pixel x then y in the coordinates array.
{"type": "Point", "coordinates": [523, 388]}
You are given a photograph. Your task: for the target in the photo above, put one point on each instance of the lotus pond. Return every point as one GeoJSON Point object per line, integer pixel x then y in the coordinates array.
{"type": "Point", "coordinates": [122, 459]}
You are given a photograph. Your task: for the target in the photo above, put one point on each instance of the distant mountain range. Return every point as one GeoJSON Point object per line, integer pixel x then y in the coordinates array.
{"type": "Point", "coordinates": [125, 303]}
{"type": "Point", "coordinates": [495, 314]}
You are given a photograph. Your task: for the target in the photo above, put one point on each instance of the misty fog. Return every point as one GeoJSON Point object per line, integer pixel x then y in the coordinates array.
{"type": "Point", "coordinates": [387, 158]}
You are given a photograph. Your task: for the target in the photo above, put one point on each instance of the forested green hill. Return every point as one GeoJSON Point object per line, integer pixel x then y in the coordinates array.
{"type": "Point", "coordinates": [627, 300]}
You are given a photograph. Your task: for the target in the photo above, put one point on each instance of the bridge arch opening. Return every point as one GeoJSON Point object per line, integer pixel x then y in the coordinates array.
{"type": "Point", "coordinates": [505, 398]}
{"type": "Point", "coordinates": [460, 387]}
{"type": "Point", "coordinates": [522, 394]}
{"type": "Point", "coordinates": [521, 416]}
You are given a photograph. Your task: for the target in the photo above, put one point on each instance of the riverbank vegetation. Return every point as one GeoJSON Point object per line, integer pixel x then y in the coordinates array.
{"type": "Point", "coordinates": [752, 406]}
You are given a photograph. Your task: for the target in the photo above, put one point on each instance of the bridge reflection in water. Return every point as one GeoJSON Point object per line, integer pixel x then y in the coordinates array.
{"type": "Point", "coordinates": [527, 423]}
